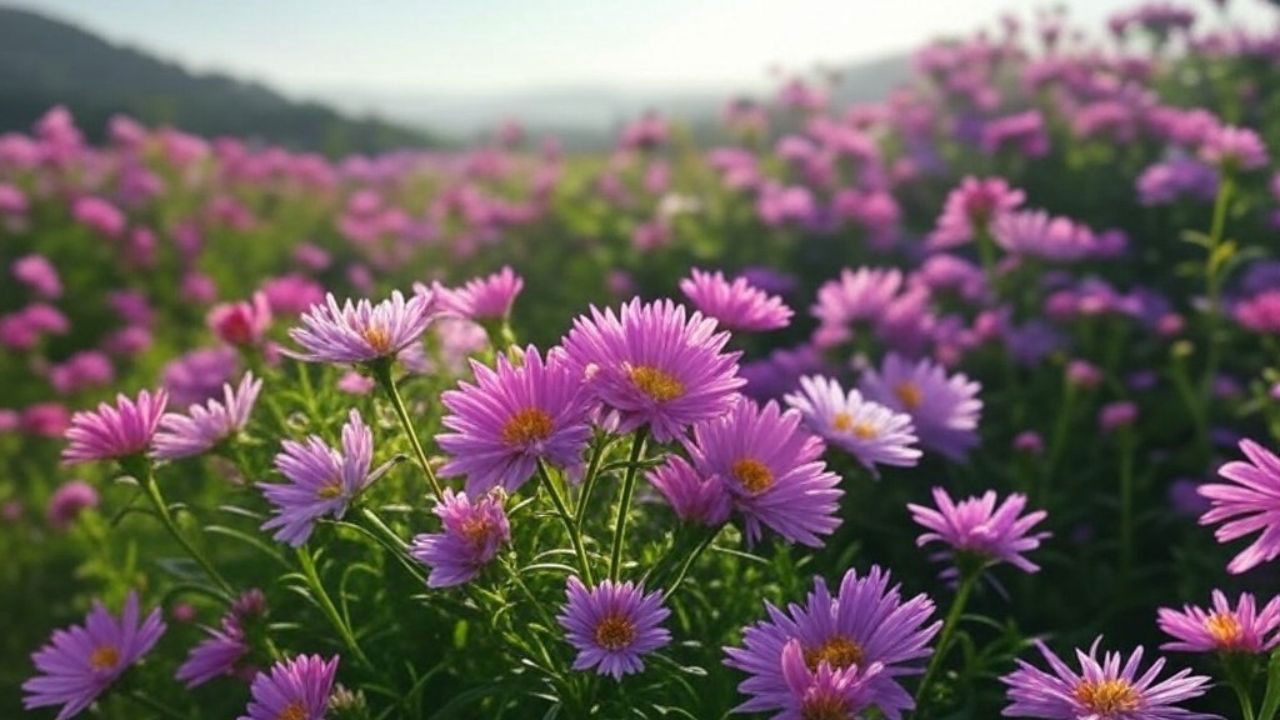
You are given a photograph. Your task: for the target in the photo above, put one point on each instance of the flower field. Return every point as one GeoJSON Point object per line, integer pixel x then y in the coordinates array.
{"type": "Point", "coordinates": [964, 404]}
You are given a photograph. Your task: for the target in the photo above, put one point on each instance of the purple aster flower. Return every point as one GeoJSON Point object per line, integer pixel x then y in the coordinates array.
{"type": "Point", "coordinates": [865, 626]}
{"type": "Point", "coordinates": [295, 689]}
{"type": "Point", "coordinates": [37, 273]}
{"type": "Point", "coordinates": [737, 305]}
{"type": "Point", "coordinates": [772, 469]}
{"type": "Point", "coordinates": [361, 332]}
{"type": "Point", "coordinates": [857, 296]}
{"type": "Point", "coordinates": [1109, 688]}
{"type": "Point", "coordinates": [216, 655]}
{"type": "Point", "coordinates": [199, 375]}
{"type": "Point", "coordinates": [612, 625]}
{"type": "Point", "coordinates": [69, 501]}
{"type": "Point", "coordinates": [1251, 502]}
{"type": "Point", "coordinates": [513, 417]}
{"type": "Point", "coordinates": [1035, 233]}
{"type": "Point", "coordinates": [473, 534]}
{"type": "Point", "coordinates": [824, 692]}
{"type": "Point", "coordinates": [486, 298]}
{"type": "Point", "coordinates": [869, 431]}
{"type": "Point", "coordinates": [972, 207]}
{"type": "Point", "coordinates": [977, 527]}
{"type": "Point", "coordinates": [1116, 415]}
{"type": "Point", "coordinates": [779, 373]}
{"type": "Point", "coordinates": [651, 365]}
{"type": "Point", "coordinates": [694, 498]}
{"type": "Point", "coordinates": [945, 410]}
{"type": "Point", "coordinates": [1234, 148]}
{"type": "Point", "coordinates": [114, 432]}
{"type": "Point", "coordinates": [203, 427]}
{"type": "Point", "coordinates": [1164, 183]}
{"type": "Point", "coordinates": [80, 662]}
{"type": "Point", "coordinates": [1243, 629]}
{"type": "Point", "coordinates": [322, 481]}
{"type": "Point", "coordinates": [1260, 313]}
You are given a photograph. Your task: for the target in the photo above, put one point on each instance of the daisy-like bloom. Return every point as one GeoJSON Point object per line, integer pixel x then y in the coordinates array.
{"type": "Point", "coordinates": [1035, 233]}
{"type": "Point", "coordinates": [613, 625]}
{"type": "Point", "coordinates": [205, 426]}
{"type": "Point", "coordinates": [362, 332]}
{"type": "Point", "coordinates": [945, 409]}
{"type": "Point", "coordinates": [1234, 148]}
{"type": "Point", "coordinates": [241, 323]}
{"type": "Point", "coordinates": [869, 431]}
{"type": "Point", "coordinates": [863, 295]}
{"type": "Point", "coordinates": [1249, 503]}
{"type": "Point", "coordinates": [512, 417]}
{"type": "Point", "coordinates": [1107, 688]}
{"type": "Point", "coordinates": [1243, 630]}
{"type": "Point", "coordinates": [114, 432]}
{"type": "Point", "coordinates": [216, 655]}
{"type": "Point", "coordinates": [485, 298]}
{"type": "Point", "coordinates": [322, 481]}
{"type": "Point", "coordinates": [737, 305]}
{"type": "Point", "coordinates": [694, 498]}
{"type": "Point", "coordinates": [295, 689]}
{"type": "Point", "coordinates": [80, 662]}
{"type": "Point", "coordinates": [972, 207]}
{"type": "Point", "coordinates": [473, 534]}
{"type": "Point", "coordinates": [977, 527]}
{"type": "Point", "coordinates": [772, 469]}
{"type": "Point", "coordinates": [865, 626]}
{"type": "Point", "coordinates": [824, 692]}
{"type": "Point", "coordinates": [652, 365]}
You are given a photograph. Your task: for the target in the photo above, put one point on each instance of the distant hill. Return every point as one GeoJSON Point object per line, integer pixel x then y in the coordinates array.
{"type": "Point", "coordinates": [46, 62]}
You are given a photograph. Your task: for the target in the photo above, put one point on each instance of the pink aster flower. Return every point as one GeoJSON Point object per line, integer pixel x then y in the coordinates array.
{"type": "Point", "coordinates": [68, 501]}
{"type": "Point", "coordinates": [1260, 313]}
{"type": "Point", "coordinates": [99, 215]}
{"type": "Point", "coordinates": [1107, 688]}
{"type": "Point", "coordinates": [737, 305]}
{"type": "Point", "coordinates": [205, 426]}
{"type": "Point", "coordinates": [977, 527]}
{"type": "Point", "coordinates": [652, 365]}
{"type": "Point", "coordinates": [858, 296]}
{"type": "Point", "coordinates": [473, 534]}
{"type": "Point", "coordinates": [772, 469]}
{"type": "Point", "coordinates": [294, 689]}
{"type": "Point", "coordinates": [216, 655]}
{"type": "Point", "coordinates": [513, 417]}
{"type": "Point", "coordinates": [1223, 629]}
{"type": "Point", "coordinates": [871, 432]}
{"type": "Point", "coordinates": [825, 691]}
{"type": "Point", "coordinates": [37, 273]}
{"type": "Point", "coordinates": [361, 332]}
{"type": "Point", "coordinates": [80, 662]}
{"type": "Point", "coordinates": [945, 409]}
{"type": "Point", "coordinates": [1035, 233]}
{"type": "Point", "coordinates": [241, 323]}
{"type": "Point", "coordinates": [613, 625]}
{"type": "Point", "coordinates": [971, 208]}
{"type": "Point", "coordinates": [1251, 502]}
{"type": "Point", "coordinates": [695, 499]}
{"type": "Point", "coordinates": [1235, 148]}
{"type": "Point", "coordinates": [484, 298]}
{"type": "Point", "coordinates": [114, 432]}
{"type": "Point", "coordinates": [322, 481]}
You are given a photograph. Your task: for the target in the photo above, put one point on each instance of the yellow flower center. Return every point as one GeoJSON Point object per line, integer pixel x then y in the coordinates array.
{"type": "Point", "coordinates": [293, 711]}
{"type": "Point", "coordinates": [842, 422]}
{"type": "Point", "coordinates": [330, 491]}
{"type": "Point", "coordinates": [909, 394]}
{"type": "Point", "coordinates": [1225, 629]}
{"type": "Point", "coordinates": [824, 707]}
{"type": "Point", "coordinates": [838, 651]}
{"type": "Point", "coordinates": [476, 531]}
{"type": "Point", "coordinates": [753, 475]}
{"type": "Point", "coordinates": [104, 657]}
{"type": "Point", "coordinates": [527, 426]}
{"type": "Point", "coordinates": [615, 632]}
{"type": "Point", "coordinates": [865, 431]}
{"type": "Point", "coordinates": [1108, 696]}
{"type": "Point", "coordinates": [378, 338]}
{"type": "Point", "coordinates": [657, 384]}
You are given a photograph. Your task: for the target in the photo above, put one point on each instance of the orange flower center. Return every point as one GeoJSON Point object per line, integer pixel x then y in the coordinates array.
{"type": "Point", "coordinates": [657, 384]}
{"type": "Point", "coordinates": [824, 707]}
{"type": "Point", "coordinates": [909, 394]}
{"type": "Point", "coordinates": [865, 431]}
{"type": "Point", "coordinates": [293, 711]}
{"type": "Point", "coordinates": [527, 426]}
{"type": "Point", "coordinates": [615, 632]}
{"type": "Point", "coordinates": [378, 338]}
{"type": "Point", "coordinates": [838, 651]}
{"type": "Point", "coordinates": [476, 531]}
{"type": "Point", "coordinates": [842, 422]}
{"type": "Point", "coordinates": [104, 657]}
{"type": "Point", "coordinates": [1225, 629]}
{"type": "Point", "coordinates": [330, 491]}
{"type": "Point", "coordinates": [1108, 696]}
{"type": "Point", "coordinates": [753, 474]}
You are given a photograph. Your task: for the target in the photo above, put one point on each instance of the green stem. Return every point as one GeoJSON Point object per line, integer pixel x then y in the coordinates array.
{"type": "Point", "coordinates": [575, 534]}
{"type": "Point", "coordinates": [326, 605]}
{"type": "Point", "coordinates": [1238, 670]}
{"type": "Point", "coordinates": [1126, 501]}
{"type": "Point", "coordinates": [689, 561]}
{"type": "Point", "coordinates": [381, 370]}
{"type": "Point", "coordinates": [146, 701]}
{"type": "Point", "coordinates": [1213, 289]}
{"type": "Point", "coordinates": [967, 581]}
{"type": "Point", "coordinates": [987, 252]}
{"type": "Point", "coordinates": [589, 482]}
{"type": "Point", "coordinates": [1058, 442]}
{"type": "Point", "coordinates": [1271, 698]}
{"type": "Point", "coordinates": [624, 504]}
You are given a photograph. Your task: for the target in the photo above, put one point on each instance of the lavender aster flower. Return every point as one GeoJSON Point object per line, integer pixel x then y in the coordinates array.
{"type": "Point", "coordinates": [694, 498]}
{"type": "Point", "coordinates": [114, 432]}
{"type": "Point", "coordinates": [473, 534]}
{"type": "Point", "coordinates": [513, 417]}
{"type": "Point", "coordinates": [865, 626]}
{"type": "Point", "coordinates": [869, 431]}
{"type": "Point", "coordinates": [361, 332]}
{"type": "Point", "coordinates": [1234, 148]}
{"type": "Point", "coordinates": [737, 305]}
{"type": "Point", "coordinates": [68, 501]}
{"type": "Point", "coordinates": [1250, 503]}
{"type": "Point", "coordinates": [945, 410]}
{"type": "Point", "coordinates": [216, 655]}
{"type": "Point", "coordinates": [977, 527]}
{"type": "Point", "coordinates": [486, 298]}
{"type": "Point", "coordinates": [650, 365]}
{"type": "Point", "coordinates": [824, 692]}
{"type": "Point", "coordinates": [1243, 629]}
{"type": "Point", "coordinates": [856, 296]}
{"type": "Point", "coordinates": [205, 426]}
{"type": "Point", "coordinates": [971, 208]}
{"type": "Point", "coordinates": [1035, 233]}
{"type": "Point", "coordinates": [80, 662]}
{"type": "Point", "coordinates": [1106, 689]}
{"type": "Point", "coordinates": [295, 689]}
{"type": "Point", "coordinates": [322, 481]}
{"type": "Point", "coordinates": [612, 625]}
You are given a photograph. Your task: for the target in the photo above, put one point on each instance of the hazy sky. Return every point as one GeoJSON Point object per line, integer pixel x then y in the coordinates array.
{"type": "Point", "coordinates": [486, 46]}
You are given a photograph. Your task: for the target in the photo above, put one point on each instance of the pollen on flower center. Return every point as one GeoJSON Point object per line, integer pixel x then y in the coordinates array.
{"type": "Point", "coordinates": [378, 338]}
{"type": "Point", "coordinates": [1225, 629]}
{"type": "Point", "coordinates": [754, 475]}
{"type": "Point", "coordinates": [1108, 696]}
{"type": "Point", "coordinates": [476, 531]}
{"type": "Point", "coordinates": [842, 422]}
{"type": "Point", "coordinates": [657, 384]}
{"type": "Point", "coordinates": [865, 431]}
{"type": "Point", "coordinates": [330, 491]}
{"type": "Point", "coordinates": [838, 651]}
{"type": "Point", "coordinates": [293, 711]}
{"type": "Point", "coordinates": [824, 707]}
{"type": "Point", "coordinates": [527, 426]}
{"type": "Point", "coordinates": [615, 632]}
{"type": "Point", "coordinates": [909, 394]}
{"type": "Point", "coordinates": [104, 657]}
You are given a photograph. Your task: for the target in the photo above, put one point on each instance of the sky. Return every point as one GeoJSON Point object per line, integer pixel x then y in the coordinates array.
{"type": "Point", "coordinates": [314, 48]}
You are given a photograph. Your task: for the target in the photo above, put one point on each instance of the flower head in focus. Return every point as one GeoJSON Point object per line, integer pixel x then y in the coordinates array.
{"type": "Point", "coordinates": [613, 625]}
